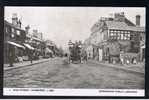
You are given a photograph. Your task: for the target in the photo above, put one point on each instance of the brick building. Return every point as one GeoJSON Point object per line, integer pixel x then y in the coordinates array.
{"type": "Point", "coordinates": [14, 37]}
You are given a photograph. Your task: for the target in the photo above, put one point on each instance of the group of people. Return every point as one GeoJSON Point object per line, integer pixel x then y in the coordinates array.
{"type": "Point", "coordinates": [126, 59]}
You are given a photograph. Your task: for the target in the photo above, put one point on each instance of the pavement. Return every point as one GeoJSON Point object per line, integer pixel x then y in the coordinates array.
{"type": "Point", "coordinates": [24, 64]}
{"type": "Point", "coordinates": [137, 68]}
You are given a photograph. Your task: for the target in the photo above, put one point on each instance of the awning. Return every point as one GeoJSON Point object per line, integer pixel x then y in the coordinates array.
{"type": "Point", "coordinates": [15, 44]}
{"type": "Point", "coordinates": [142, 47]}
{"type": "Point", "coordinates": [37, 39]}
{"type": "Point", "coordinates": [48, 50]}
{"type": "Point", "coordinates": [28, 46]}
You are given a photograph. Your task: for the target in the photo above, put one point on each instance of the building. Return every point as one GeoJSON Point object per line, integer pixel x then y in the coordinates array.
{"type": "Point", "coordinates": [18, 42]}
{"type": "Point", "coordinates": [35, 42]}
{"type": "Point", "coordinates": [50, 46]}
{"type": "Point", "coordinates": [110, 36]}
{"type": "Point", "coordinates": [14, 37]}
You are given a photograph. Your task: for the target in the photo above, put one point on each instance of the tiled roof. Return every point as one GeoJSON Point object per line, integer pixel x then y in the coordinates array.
{"type": "Point", "coordinates": [116, 25]}
{"type": "Point", "coordinates": [123, 26]}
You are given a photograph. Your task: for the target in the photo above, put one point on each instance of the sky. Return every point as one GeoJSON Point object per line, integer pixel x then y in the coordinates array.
{"type": "Point", "coordinates": [61, 24]}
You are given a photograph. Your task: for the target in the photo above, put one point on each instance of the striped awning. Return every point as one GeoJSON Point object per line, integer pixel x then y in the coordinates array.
{"type": "Point", "coordinates": [48, 50]}
{"type": "Point", "coordinates": [28, 46]}
{"type": "Point", "coordinates": [15, 44]}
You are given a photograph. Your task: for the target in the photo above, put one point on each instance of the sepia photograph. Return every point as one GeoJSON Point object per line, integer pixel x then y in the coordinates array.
{"type": "Point", "coordinates": [74, 48]}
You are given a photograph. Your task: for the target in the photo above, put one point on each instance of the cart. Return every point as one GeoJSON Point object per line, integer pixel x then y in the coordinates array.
{"type": "Point", "coordinates": [75, 54]}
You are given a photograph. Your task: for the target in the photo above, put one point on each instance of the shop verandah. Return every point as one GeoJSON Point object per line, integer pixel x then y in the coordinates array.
{"type": "Point", "coordinates": [16, 52]}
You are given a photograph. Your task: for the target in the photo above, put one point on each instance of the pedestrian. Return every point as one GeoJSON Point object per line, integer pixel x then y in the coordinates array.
{"type": "Point", "coordinates": [30, 55]}
{"type": "Point", "coordinates": [84, 56]}
{"type": "Point", "coordinates": [134, 60]}
{"type": "Point", "coordinates": [11, 60]}
{"type": "Point", "coordinates": [11, 56]}
{"type": "Point", "coordinates": [122, 57]}
{"type": "Point", "coordinates": [66, 59]}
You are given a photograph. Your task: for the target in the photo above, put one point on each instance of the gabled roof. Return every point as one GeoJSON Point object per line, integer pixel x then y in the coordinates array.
{"type": "Point", "coordinates": [123, 26]}
{"type": "Point", "coordinates": [128, 22]}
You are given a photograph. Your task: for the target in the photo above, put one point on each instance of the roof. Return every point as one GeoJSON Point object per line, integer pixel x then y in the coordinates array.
{"type": "Point", "coordinates": [128, 22]}
{"type": "Point", "coordinates": [123, 26]}
{"type": "Point", "coordinates": [116, 25]}
{"type": "Point", "coordinates": [10, 24]}
{"type": "Point", "coordinates": [37, 39]}
{"type": "Point", "coordinates": [142, 29]}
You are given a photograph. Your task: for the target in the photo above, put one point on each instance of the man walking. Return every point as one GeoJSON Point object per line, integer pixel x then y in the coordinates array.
{"type": "Point", "coordinates": [122, 57]}
{"type": "Point", "coordinates": [30, 55]}
{"type": "Point", "coordinates": [11, 56]}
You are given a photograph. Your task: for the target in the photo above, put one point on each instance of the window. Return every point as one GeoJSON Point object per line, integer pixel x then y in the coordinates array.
{"type": "Point", "coordinates": [18, 32]}
{"type": "Point", "coordinates": [122, 37]}
{"type": "Point", "coordinates": [111, 30]}
{"type": "Point", "coordinates": [111, 34]}
{"type": "Point", "coordinates": [12, 30]}
{"type": "Point", "coordinates": [12, 35]}
{"type": "Point", "coordinates": [125, 36]}
{"type": "Point", "coordinates": [118, 36]}
{"type": "Point", "coordinates": [128, 36]}
{"type": "Point", "coordinates": [6, 29]}
{"type": "Point", "coordinates": [118, 32]}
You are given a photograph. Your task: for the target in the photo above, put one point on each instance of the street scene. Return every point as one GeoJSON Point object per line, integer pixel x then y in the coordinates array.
{"type": "Point", "coordinates": [74, 47]}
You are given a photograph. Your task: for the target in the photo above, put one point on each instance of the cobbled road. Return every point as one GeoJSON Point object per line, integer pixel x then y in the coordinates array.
{"type": "Point", "coordinates": [56, 74]}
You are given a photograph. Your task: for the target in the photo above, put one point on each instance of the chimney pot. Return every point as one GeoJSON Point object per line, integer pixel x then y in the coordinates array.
{"type": "Point", "coordinates": [14, 19]}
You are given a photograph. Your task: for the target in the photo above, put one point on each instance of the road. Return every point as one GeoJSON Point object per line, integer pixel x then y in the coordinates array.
{"type": "Point", "coordinates": [56, 74]}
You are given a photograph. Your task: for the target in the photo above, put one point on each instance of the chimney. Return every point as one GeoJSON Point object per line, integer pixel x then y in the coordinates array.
{"type": "Point", "coordinates": [27, 29]}
{"type": "Point", "coordinates": [138, 20]}
{"type": "Point", "coordinates": [119, 17]}
{"type": "Point", "coordinates": [14, 19]}
{"type": "Point", "coordinates": [19, 23]}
